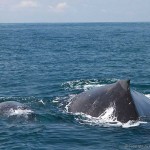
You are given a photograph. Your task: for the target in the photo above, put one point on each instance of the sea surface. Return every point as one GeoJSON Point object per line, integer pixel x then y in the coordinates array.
{"type": "Point", "coordinates": [44, 65]}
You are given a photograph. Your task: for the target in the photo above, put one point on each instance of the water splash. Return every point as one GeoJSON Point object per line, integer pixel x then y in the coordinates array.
{"type": "Point", "coordinates": [93, 121]}
{"type": "Point", "coordinates": [132, 123]}
{"type": "Point", "coordinates": [19, 112]}
{"type": "Point", "coordinates": [106, 119]}
{"type": "Point", "coordinates": [109, 114]}
{"type": "Point", "coordinates": [147, 95]}
{"type": "Point", "coordinates": [69, 102]}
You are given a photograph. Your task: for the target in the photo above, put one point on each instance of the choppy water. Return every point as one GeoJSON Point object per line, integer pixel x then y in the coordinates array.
{"type": "Point", "coordinates": [45, 65]}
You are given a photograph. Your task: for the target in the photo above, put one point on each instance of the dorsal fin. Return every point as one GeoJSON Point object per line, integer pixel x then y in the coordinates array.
{"type": "Point", "coordinates": [125, 84]}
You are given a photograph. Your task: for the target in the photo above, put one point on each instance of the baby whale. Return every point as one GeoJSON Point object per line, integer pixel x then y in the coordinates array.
{"type": "Point", "coordinates": [8, 106]}
{"type": "Point", "coordinates": [128, 104]}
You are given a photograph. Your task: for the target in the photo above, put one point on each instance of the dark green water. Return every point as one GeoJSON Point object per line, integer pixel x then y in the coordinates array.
{"type": "Point", "coordinates": [43, 65]}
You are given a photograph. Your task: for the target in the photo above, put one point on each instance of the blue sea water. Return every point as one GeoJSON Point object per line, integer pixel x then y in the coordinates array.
{"type": "Point", "coordinates": [43, 65]}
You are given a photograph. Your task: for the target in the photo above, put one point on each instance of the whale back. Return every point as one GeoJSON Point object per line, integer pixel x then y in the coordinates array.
{"type": "Point", "coordinates": [95, 101]}
{"type": "Point", "coordinates": [8, 105]}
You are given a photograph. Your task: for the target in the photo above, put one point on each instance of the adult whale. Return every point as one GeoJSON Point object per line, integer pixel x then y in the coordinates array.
{"type": "Point", "coordinates": [128, 104]}
{"type": "Point", "coordinates": [6, 107]}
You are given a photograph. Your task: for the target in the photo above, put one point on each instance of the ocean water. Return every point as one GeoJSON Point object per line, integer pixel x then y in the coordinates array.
{"type": "Point", "coordinates": [45, 65]}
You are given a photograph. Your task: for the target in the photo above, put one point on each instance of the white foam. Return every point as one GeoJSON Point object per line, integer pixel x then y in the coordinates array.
{"type": "Point", "coordinates": [55, 101]}
{"type": "Point", "coordinates": [132, 123]}
{"type": "Point", "coordinates": [106, 119]}
{"type": "Point", "coordinates": [108, 114]}
{"type": "Point", "coordinates": [19, 112]}
{"type": "Point", "coordinates": [69, 101]}
{"type": "Point", "coordinates": [147, 95]}
{"type": "Point", "coordinates": [41, 101]}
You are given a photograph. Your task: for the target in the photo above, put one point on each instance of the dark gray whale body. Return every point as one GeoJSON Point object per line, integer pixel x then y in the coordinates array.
{"type": "Point", "coordinates": [129, 105]}
{"type": "Point", "coordinates": [8, 105]}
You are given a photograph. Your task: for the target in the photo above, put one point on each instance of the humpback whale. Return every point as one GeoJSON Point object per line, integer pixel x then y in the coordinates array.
{"type": "Point", "coordinates": [7, 106]}
{"type": "Point", "coordinates": [128, 104]}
